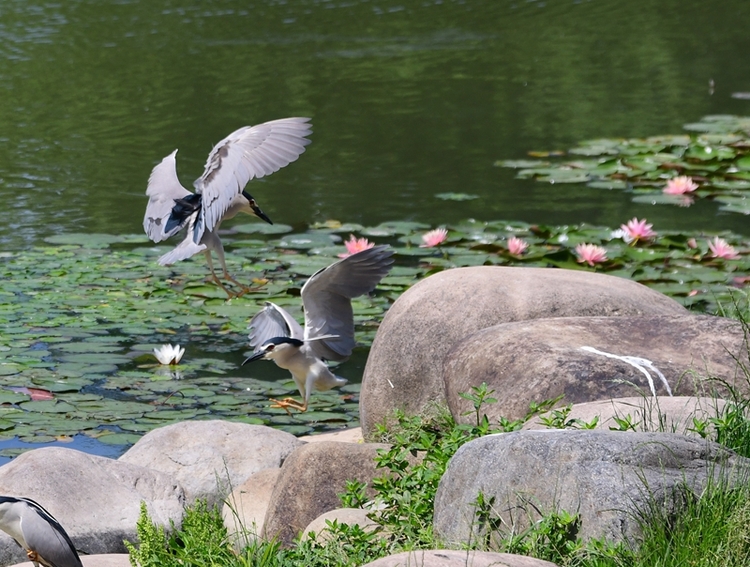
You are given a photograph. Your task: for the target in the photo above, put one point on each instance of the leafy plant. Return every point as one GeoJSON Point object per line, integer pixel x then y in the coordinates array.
{"type": "Point", "coordinates": [558, 419]}
{"type": "Point", "coordinates": [200, 541]}
{"type": "Point", "coordinates": [152, 549]}
{"type": "Point", "coordinates": [625, 423]}
{"type": "Point", "coordinates": [421, 447]}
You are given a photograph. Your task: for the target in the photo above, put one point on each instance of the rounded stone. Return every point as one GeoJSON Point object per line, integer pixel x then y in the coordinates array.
{"type": "Point", "coordinates": [404, 368]}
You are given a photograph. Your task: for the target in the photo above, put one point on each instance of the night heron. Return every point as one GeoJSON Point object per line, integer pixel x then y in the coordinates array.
{"type": "Point", "coordinates": [329, 324]}
{"type": "Point", "coordinates": [248, 153]}
{"type": "Point", "coordinates": [34, 529]}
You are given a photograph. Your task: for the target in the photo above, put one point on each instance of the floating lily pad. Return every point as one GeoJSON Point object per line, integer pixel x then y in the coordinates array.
{"type": "Point", "coordinates": [262, 228]}
{"type": "Point", "coordinates": [119, 439]}
{"type": "Point", "coordinates": [9, 368]}
{"type": "Point", "coordinates": [456, 196]}
{"type": "Point", "coordinates": [306, 241]}
{"type": "Point", "coordinates": [92, 240]}
{"type": "Point", "coordinates": [395, 228]}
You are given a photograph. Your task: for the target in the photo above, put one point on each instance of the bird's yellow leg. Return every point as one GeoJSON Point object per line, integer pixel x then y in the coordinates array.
{"type": "Point", "coordinates": [287, 403]}
{"type": "Point", "coordinates": [245, 289]}
{"type": "Point", "coordinates": [33, 557]}
{"type": "Point", "coordinates": [214, 277]}
{"type": "Point", "coordinates": [217, 281]}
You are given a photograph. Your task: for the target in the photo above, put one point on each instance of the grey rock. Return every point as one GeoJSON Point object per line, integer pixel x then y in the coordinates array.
{"type": "Point", "coordinates": [608, 478]}
{"type": "Point", "coordinates": [351, 435]}
{"type": "Point", "coordinates": [208, 458]}
{"type": "Point", "coordinates": [661, 414]}
{"type": "Point", "coordinates": [404, 368]}
{"type": "Point", "coordinates": [101, 560]}
{"type": "Point", "coordinates": [310, 481]}
{"type": "Point", "coordinates": [349, 516]}
{"type": "Point", "coordinates": [453, 558]}
{"type": "Point", "coordinates": [244, 511]}
{"type": "Point", "coordinates": [545, 358]}
{"type": "Point", "coordinates": [97, 500]}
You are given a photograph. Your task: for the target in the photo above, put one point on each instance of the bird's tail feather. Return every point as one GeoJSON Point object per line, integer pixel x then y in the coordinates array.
{"type": "Point", "coordinates": [184, 249]}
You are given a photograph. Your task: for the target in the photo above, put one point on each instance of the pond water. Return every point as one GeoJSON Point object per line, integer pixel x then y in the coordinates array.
{"type": "Point", "coordinates": [408, 100]}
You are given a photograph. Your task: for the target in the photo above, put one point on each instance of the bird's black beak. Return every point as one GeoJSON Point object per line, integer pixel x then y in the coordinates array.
{"type": "Point", "coordinates": [253, 358]}
{"type": "Point", "coordinates": [256, 209]}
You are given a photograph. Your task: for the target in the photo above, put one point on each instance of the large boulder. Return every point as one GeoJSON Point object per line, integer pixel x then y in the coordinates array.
{"type": "Point", "coordinates": [585, 359]}
{"type": "Point", "coordinates": [349, 516]}
{"type": "Point", "coordinates": [404, 368]}
{"type": "Point", "coordinates": [310, 481]}
{"type": "Point", "coordinates": [209, 458]}
{"type": "Point", "coordinates": [97, 500]}
{"type": "Point", "coordinates": [607, 478]}
{"type": "Point", "coordinates": [454, 558]}
{"type": "Point", "coordinates": [105, 560]}
{"type": "Point", "coordinates": [244, 511]}
{"type": "Point", "coordinates": [670, 414]}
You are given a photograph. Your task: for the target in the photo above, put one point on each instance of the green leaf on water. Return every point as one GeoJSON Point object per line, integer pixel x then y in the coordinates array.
{"type": "Point", "coordinates": [456, 196]}
{"type": "Point", "coordinates": [92, 240]}
{"type": "Point", "coordinates": [262, 228]}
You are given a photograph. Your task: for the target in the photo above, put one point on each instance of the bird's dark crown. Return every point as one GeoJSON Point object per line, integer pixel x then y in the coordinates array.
{"type": "Point", "coordinates": [284, 341]}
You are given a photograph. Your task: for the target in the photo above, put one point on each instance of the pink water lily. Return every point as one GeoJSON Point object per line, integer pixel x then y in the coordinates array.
{"type": "Point", "coordinates": [591, 254]}
{"type": "Point", "coordinates": [517, 246]}
{"type": "Point", "coordinates": [636, 230]}
{"type": "Point", "coordinates": [680, 185]}
{"type": "Point", "coordinates": [434, 237]}
{"type": "Point", "coordinates": [354, 245]}
{"type": "Point", "coordinates": [721, 249]}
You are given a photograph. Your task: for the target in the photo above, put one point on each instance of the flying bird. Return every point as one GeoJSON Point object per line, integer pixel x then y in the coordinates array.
{"type": "Point", "coordinates": [329, 324]}
{"type": "Point", "coordinates": [36, 530]}
{"type": "Point", "coordinates": [248, 153]}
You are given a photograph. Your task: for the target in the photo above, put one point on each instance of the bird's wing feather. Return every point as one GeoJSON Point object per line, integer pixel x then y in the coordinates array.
{"type": "Point", "coordinates": [185, 249]}
{"type": "Point", "coordinates": [47, 537]}
{"type": "Point", "coordinates": [271, 322]}
{"type": "Point", "coordinates": [248, 153]}
{"type": "Point", "coordinates": [163, 188]}
{"type": "Point", "coordinates": [327, 297]}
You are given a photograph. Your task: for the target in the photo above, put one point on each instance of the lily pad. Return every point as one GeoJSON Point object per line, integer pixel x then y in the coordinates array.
{"type": "Point", "coordinates": [262, 228]}
{"type": "Point", "coordinates": [92, 240]}
{"type": "Point", "coordinates": [456, 196]}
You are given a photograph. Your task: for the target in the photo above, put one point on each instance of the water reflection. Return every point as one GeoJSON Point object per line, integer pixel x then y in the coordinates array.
{"type": "Point", "coordinates": [408, 100]}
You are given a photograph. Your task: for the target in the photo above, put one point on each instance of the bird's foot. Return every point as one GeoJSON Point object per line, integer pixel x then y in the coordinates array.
{"type": "Point", "coordinates": [214, 278]}
{"type": "Point", "coordinates": [287, 403]}
{"type": "Point", "coordinates": [33, 556]}
{"type": "Point", "coordinates": [243, 288]}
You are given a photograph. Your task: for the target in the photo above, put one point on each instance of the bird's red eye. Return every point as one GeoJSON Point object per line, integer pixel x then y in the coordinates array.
{"type": "Point", "coordinates": [269, 348]}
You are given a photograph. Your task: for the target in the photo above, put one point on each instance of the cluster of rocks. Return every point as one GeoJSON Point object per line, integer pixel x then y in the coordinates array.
{"type": "Point", "coordinates": [613, 347]}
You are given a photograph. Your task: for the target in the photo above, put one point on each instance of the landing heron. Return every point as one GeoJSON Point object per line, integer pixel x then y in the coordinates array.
{"type": "Point", "coordinates": [248, 153]}
{"type": "Point", "coordinates": [329, 323]}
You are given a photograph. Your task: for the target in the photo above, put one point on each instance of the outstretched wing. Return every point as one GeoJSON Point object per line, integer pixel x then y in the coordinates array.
{"type": "Point", "coordinates": [327, 297]}
{"type": "Point", "coordinates": [163, 188]}
{"type": "Point", "coordinates": [271, 322]}
{"type": "Point", "coordinates": [250, 152]}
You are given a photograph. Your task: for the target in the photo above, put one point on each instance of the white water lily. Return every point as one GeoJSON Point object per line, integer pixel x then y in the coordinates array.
{"type": "Point", "coordinates": [169, 354]}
